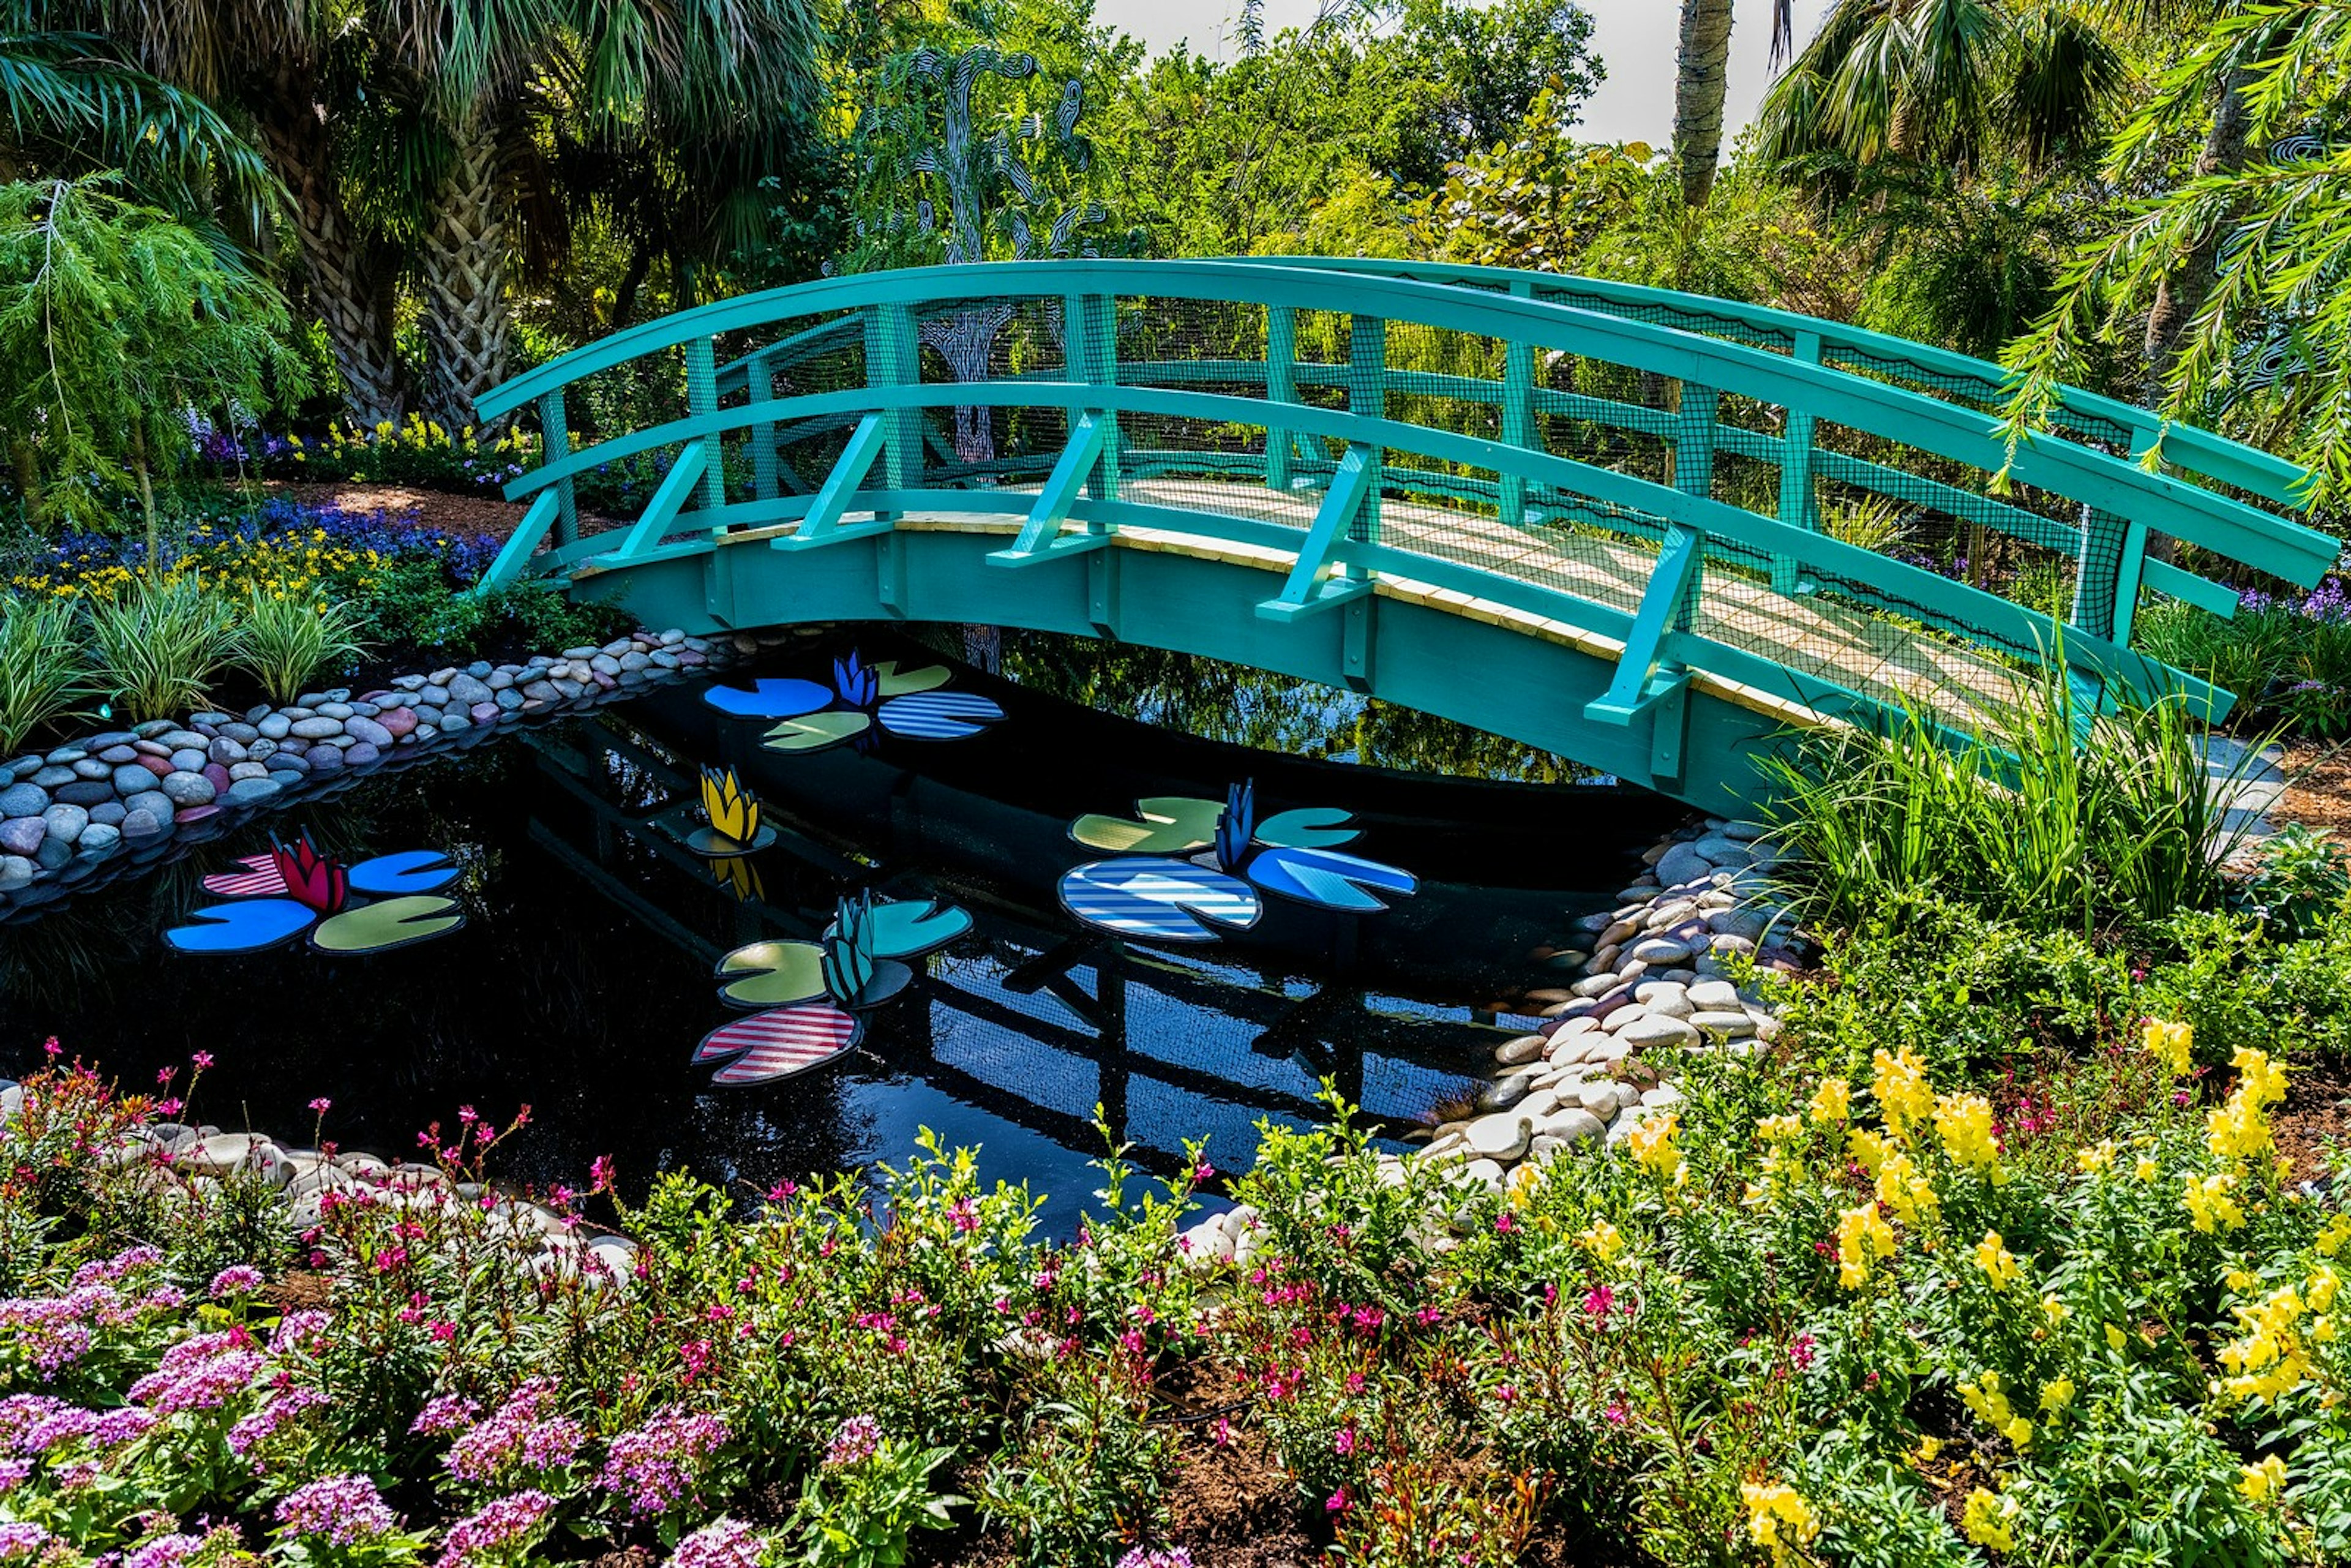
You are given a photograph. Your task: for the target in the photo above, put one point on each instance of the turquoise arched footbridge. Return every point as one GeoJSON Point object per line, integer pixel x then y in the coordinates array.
{"type": "Point", "coordinates": [1642, 530]}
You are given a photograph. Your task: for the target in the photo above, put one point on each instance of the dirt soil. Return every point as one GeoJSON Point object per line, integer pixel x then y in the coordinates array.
{"type": "Point", "coordinates": [2318, 788]}
{"type": "Point", "coordinates": [476, 517]}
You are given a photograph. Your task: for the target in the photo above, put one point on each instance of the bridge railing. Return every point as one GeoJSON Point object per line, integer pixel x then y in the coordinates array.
{"type": "Point", "coordinates": [1475, 433]}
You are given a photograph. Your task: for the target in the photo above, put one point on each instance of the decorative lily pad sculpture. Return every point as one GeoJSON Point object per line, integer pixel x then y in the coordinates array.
{"type": "Point", "coordinates": [287, 892]}
{"type": "Point", "coordinates": [734, 812]}
{"type": "Point", "coordinates": [904, 702]}
{"type": "Point", "coordinates": [811, 993]}
{"type": "Point", "coordinates": [1160, 897]}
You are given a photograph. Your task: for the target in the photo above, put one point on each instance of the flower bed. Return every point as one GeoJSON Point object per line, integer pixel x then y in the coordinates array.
{"type": "Point", "coordinates": [1853, 1298]}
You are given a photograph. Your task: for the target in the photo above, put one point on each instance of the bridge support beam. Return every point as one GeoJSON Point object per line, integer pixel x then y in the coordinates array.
{"type": "Point", "coordinates": [1645, 681]}
{"type": "Point", "coordinates": [822, 525]}
{"type": "Point", "coordinates": [1311, 587]}
{"type": "Point", "coordinates": [1038, 539]}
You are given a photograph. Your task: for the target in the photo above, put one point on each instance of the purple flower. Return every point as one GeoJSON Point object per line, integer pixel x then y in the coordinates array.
{"type": "Point", "coordinates": [111, 1268]}
{"type": "Point", "coordinates": [721, 1543]}
{"type": "Point", "coordinates": [13, 1473]}
{"type": "Point", "coordinates": [163, 1552]}
{"type": "Point", "coordinates": [1156, 1557]}
{"type": "Point", "coordinates": [517, 1439]}
{"type": "Point", "coordinates": [237, 1279]}
{"type": "Point", "coordinates": [21, 1541]}
{"type": "Point", "coordinates": [445, 1413]}
{"type": "Point", "coordinates": [346, 1510]}
{"type": "Point", "coordinates": [263, 1423]}
{"type": "Point", "coordinates": [655, 1466]}
{"type": "Point", "coordinates": [508, 1519]}
{"type": "Point", "coordinates": [200, 1373]}
{"type": "Point", "coordinates": [858, 1440]}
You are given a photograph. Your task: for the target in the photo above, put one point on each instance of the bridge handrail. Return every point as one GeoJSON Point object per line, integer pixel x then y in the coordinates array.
{"type": "Point", "coordinates": [2083, 473]}
{"type": "Point", "coordinates": [2188, 447]}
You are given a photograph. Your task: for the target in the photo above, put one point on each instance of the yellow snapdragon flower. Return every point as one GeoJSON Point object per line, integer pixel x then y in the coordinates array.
{"type": "Point", "coordinates": [1903, 1097]}
{"type": "Point", "coordinates": [1651, 1141]}
{"type": "Point", "coordinates": [2209, 1206]}
{"type": "Point", "coordinates": [2263, 1482]}
{"type": "Point", "coordinates": [2096, 1158]}
{"type": "Point", "coordinates": [2333, 1234]}
{"type": "Point", "coordinates": [1832, 1102]}
{"type": "Point", "coordinates": [1990, 1519]}
{"type": "Point", "coordinates": [1903, 1187]}
{"type": "Point", "coordinates": [1999, 1264]}
{"type": "Point", "coordinates": [1778, 1516]}
{"type": "Point", "coordinates": [1965, 1123]}
{"type": "Point", "coordinates": [2172, 1044]}
{"type": "Point", "coordinates": [1603, 1240]}
{"type": "Point", "coordinates": [2056, 1394]}
{"type": "Point", "coordinates": [1862, 1234]}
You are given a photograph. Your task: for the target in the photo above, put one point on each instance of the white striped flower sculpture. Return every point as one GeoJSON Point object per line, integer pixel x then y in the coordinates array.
{"type": "Point", "coordinates": [1165, 889]}
{"type": "Point", "coordinates": [811, 716]}
{"type": "Point", "coordinates": [810, 996]}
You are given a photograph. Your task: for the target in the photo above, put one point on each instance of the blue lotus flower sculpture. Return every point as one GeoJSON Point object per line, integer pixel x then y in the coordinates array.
{"type": "Point", "coordinates": [1165, 890]}
{"type": "Point", "coordinates": [810, 715]}
{"type": "Point", "coordinates": [810, 996]}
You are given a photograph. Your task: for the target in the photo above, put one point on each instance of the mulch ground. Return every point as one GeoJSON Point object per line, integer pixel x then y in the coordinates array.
{"type": "Point", "coordinates": [474, 517]}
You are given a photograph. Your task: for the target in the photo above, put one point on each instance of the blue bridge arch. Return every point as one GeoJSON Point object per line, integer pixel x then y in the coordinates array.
{"type": "Point", "coordinates": [1649, 531]}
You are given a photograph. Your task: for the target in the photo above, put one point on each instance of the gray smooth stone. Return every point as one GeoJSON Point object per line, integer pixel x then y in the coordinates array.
{"type": "Point", "coordinates": [224, 751]}
{"type": "Point", "coordinates": [23, 835]}
{"type": "Point", "coordinates": [277, 726]}
{"type": "Point", "coordinates": [15, 872]}
{"type": "Point", "coordinates": [65, 822]}
{"type": "Point", "coordinates": [87, 791]}
{"type": "Point", "coordinates": [469, 689]}
{"type": "Point", "coordinates": [133, 779]}
{"type": "Point", "coordinates": [189, 788]}
{"type": "Point", "coordinates": [99, 839]}
{"type": "Point", "coordinates": [27, 799]}
{"type": "Point", "coordinates": [360, 754]}
{"type": "Point", "coordinates": [53, 775]}
{"type": "Point", "coordinates": [91, 768]}
{"type": "Point", "coordinates": [154, 802]}
{"type": "Point", "coordinates": [107, 813]}
{"type": "Point", "coordinates": [367, 731]}
{"type": "Point", "coordinates": [53, 854]}
{"type": "Point", "coordinates": [143, 824]}
{"type": "Point", "coordinates": [189, 762]}
{"type": "Point", "coordinates": [252, 791]}
{"type": "Point", "coordinates": [320, 728]}
{"type": "Point", "coordinates": [238, 771]}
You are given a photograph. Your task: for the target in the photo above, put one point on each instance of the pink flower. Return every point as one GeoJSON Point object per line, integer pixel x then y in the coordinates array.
{"type": "Point", "coordinates": [345, 1510]}
{"type": "Point", "coordinates": [203, 1058]}
{"type": "Point", "coordinates": [721, 1543]}
{"type": "Point", "coordinates": [1599, 1301]}
{"type": "Point", "coordinates": [656, 1466]}
{"type": "Point", "coordinates": [858, 1439]}
{"type": "Point", "coordinates": [322, 1104]}
{"type": "Point", "coordinates": [508, 1519]}
{"type": "Point", "coordinates": [1344, 1444]}
{"type": "Point", "coordinates": [1338, 1503]}
{"type": "Point", "coordinates": [237, 1279]}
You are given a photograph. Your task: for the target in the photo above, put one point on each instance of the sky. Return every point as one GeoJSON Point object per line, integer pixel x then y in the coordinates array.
{"type": "Point", "coordinates": [1635, 38]}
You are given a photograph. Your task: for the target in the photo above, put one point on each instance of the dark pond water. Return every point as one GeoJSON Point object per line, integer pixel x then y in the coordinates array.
{"type": "Point", "coordinates": [582, 980]}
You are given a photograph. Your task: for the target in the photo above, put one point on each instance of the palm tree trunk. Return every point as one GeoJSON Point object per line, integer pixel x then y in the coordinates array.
{"type": "Point", "coordinates": [349, 286]}
{"type": "Point", "coordinates": [2182, 292]}
{"type": "Point", "coordinates": [1701, 79]}
{"type": "Point", "coordinates": [467, 326]}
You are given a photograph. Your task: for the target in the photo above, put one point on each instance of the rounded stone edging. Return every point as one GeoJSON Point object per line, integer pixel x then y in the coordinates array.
{"type": "Point", "coordinates": [75, 811]}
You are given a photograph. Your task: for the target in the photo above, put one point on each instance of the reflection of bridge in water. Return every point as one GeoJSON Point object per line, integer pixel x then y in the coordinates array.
{"type": "Point", "coordinates": [1033, 1019]}
{"type": "Point", "coordinates": [1603, 522]}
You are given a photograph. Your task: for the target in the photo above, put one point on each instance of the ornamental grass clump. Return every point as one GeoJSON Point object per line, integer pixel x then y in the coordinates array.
{"type": "Point", "coordinates": [159, 644]}
{"type": "Point", "coordinates": [45, 667]}
{"type": "Point", "coordinates": [283, 641]}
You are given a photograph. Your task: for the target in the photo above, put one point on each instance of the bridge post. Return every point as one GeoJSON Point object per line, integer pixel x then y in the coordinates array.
{"type": "Point", "coordinates": [1797, 506]}
{"type": "Point", "coordinates": [1518, 416]}
{"type": "Point", "coordinates": [1090, 343]}
{"type": "Point", "coordinates": [2108, 572]}
{"type": "Point", "coordinates": [894, 358]}
{"type": "Point", "coordinates": [1694, 439]}
{"type": "Point", "coordinates": [1367, 393]}
{"type": "Point", "coordinates": [759, 379]}
{"type": "Point", "coordinates": [555, 441]}
{"type": "Point", "coordinates": [1281, 386]}
{"type": "Point", "coordinates": [701, 402]}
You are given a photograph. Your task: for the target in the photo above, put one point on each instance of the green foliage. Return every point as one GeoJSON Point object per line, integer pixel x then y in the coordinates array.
{"type": "Point", "coordinates": [114, 320]}
{"type": "Point", "coordinates": [412, 603]}
{"type": "Point", "coordinates": [2046, 815]}
{"type": "Point", "coordinates": [159, 643]}
{"type": "Point", "coordinates": [282, 642]}
{"type": "Point", "coordinates": [44, 667]}
{"type": "Point", "coordinates": [860, 1507]}
{"type": "Point", "coordinates": [2299, 881]}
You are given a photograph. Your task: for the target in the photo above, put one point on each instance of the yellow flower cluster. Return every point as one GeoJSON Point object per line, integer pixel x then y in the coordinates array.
{"type": "Point", "coordinates": [1965, 1123]}
{"type": "Point", "coordinates": [2263, 1482]}
{"type": "Point", "coordinates": [1862, 1235]}
{"type": "Point", "coordinates": [2336, 1232]}
{"type": "Point", "coordinates": [1833, 1102]}
{"type": "Point", "coordinates": [2239, 1128]}
{"type": "Point", "coordinates": [294, 566]}
{"type": "Point", "coordinates": [1652, 1144]}
{"type": "Point", "coordinates": [1990, 1519]}
{"type": "Point", "coordinates": [2209, 1206]}
{"type": "Point", "coordinates": [1903, 1187]}
{"type": "Point", "coordinates": [1778, 1516]}
{"type": "Point", "coordinates": [1603, 1240]}
{"type": "Point", "coordinates": [2270, 1359]}
{"type": "Point", "coordinates": [1989, 1399]}
{"type": "Point", "coordinates": [1903, 1097]}
{"type": "Point", "coordinates": [2172, 1044]}
{"type": "Point", "coordinates": [1999, 1264]}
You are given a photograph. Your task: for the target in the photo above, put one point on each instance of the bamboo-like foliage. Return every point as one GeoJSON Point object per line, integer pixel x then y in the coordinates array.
{"type": "Point", "coordinates": [44, 670]}
{"type": "Point", "coordinates": [159, 644]}
{"type": "Point", "coordinates": [283, 642]}
{"type": "Point", "coordinates": [2049, 815]}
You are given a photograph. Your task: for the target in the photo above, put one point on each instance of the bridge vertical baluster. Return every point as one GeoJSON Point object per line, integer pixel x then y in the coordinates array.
{"type": "Point", "coordinates": [701, 402]}
{"type": "Point", "coordinates": [1281, 386]}
{"type": "Point", "coordinates": [1367, 394]}
{"type": "Point", "coordinates": [1694, 439]}
{"type": "Point", "coordinates": [555, 441]}
{"type": "Point", "coordinates": [759, 379]}
{"type": "Point", "coordinates": [1518, 416]}
{"type": "Point", "coordinates": [1797, 506]}
{"type": "Point", "coordinates": [2113, 560]}
{"type": "Point", "coordinates": [894, 358]}
{"type": "Point", "coordinates": [1089, 341]}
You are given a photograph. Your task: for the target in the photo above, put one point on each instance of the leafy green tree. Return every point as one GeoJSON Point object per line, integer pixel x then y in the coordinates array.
{"type": "Point", "coordinates": [2270, 345]}
{"type": "Point", "coordinates": [1475, 73]}
{"type": "Point", "coordinates": [116, 320]}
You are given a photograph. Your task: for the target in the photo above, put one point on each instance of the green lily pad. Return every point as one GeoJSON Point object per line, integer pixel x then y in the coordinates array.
{"type": "Point", "coordinates": [814, 732]}
{"type": "Point", "coordinates": [1169, 825]}
{"type": "Point", "coordinates": [1308, 828]}
{"type": "Point", "coordinates": [387, 924]}
{"type": "Point", "coordinates": [772, 973]}
{"type": "Point", "coordinates": [895, 683]}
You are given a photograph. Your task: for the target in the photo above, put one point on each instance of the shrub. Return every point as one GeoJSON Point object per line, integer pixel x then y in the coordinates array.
{"type": "Point", "coordinates": [44, 667]}
{"type": "Point", "coordinates": [158, 642]}
{"type": "Point", "coordinates": [2048, 815]}
{"type": "Point", "coordinates": [282, 642]}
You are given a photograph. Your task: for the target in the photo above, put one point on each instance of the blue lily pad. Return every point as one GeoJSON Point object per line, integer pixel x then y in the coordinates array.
{"type": "Point", "coordinates": [770, 698]}
{"type": "Point", "coordinates": [1328, 879]}
{"type": "Point", "coordinates": [1308, 828]}
{"type": "Point", "coordinates": [1159, 900]}
{"type": "Point", "coordinates": [939, 715]}
{"type": "Point", "coordinates": [909, 929]}
{"type": "Point", "coordinates": [408, 871]}
{"type": "Point", "coordinates": [243, 927]}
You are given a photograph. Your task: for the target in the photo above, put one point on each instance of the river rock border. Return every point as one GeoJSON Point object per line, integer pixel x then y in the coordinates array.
{"type": "Point", "coordinates": [127, 798]}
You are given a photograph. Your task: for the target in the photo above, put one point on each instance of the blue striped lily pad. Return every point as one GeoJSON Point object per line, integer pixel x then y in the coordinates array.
{"type": "Point", "coordinates": [1159, 900]}
{"type": "Point", "coordinates": [939, 715]}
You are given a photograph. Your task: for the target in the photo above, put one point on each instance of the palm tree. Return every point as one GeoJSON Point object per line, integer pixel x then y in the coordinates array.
{"type": "Point", "coordinates": [1944, 81]}
{"type": "Point", "coordinates": [1702, 77]}
{"type": "Point", "coordinates": [723, 82]}
{"type": "Point", "coordinates": [290, 69]}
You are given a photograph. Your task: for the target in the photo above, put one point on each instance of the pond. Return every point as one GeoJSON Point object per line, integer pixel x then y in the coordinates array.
{"type": "Point", "coordinates": [583, 977]}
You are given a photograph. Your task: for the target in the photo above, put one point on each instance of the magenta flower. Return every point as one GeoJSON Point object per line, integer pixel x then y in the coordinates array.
{"type": "Point", "coordinates": [721, 1543]}
{"type": "Point", "coordinates": [510, 1518]}
{"type": "Point", "coordinates": [22, 1540]}
{"type": "Point", "coordinates": [657, 1466]}
{"type": "Point", "coordinates": [858, 1440]}
{"type": "Point", "coordinates": [343, 1510]}
{"type": "Point", "coordinates": [237, 1279]}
